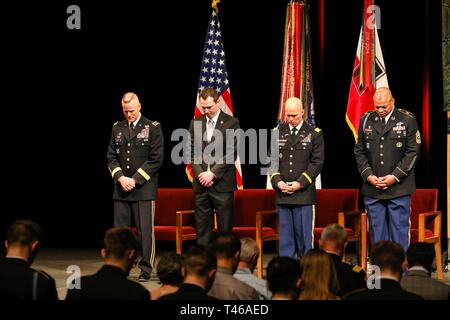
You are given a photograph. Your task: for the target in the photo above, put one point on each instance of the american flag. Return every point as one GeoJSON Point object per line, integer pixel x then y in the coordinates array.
{"type": "Point", "coordinates": [213, 74]}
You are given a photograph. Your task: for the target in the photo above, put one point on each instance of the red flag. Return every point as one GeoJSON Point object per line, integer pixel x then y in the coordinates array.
{"type": "Point", "coordinates": [296, 78]}
{"type": "Point", "coordinates": [213, 74]}
{"type": "Point", "coordinates": [369, 71]}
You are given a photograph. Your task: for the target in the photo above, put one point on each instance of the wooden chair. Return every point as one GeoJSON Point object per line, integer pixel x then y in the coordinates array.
{"type": "Point", "coordinates": [426, 222]}
{"type": "Point", "coordinates": [332, 206]}
{"type": "Point", "coordinates": [255, 205]}
{"type": "Point", "coordinates": [174, 216]}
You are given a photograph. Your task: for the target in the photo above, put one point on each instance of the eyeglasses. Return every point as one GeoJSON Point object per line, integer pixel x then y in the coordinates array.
{"type": "Point", "coordinates": [380, 107]}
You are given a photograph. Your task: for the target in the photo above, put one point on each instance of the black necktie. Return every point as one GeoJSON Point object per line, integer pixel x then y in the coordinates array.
{"type": "Point", "coordinates": [130, 128]}
{"type": "Point", "coordinates": [294, 131]}
{"type": "Point", "coordinates": [383, 122]}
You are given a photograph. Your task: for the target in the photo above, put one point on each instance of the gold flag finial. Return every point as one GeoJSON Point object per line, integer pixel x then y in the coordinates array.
{"type": "Point", "coordinates": [214, 5]}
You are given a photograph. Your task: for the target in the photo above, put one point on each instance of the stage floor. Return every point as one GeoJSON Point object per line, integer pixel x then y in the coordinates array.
{"type": "Point", "coordinates": [57, 261]}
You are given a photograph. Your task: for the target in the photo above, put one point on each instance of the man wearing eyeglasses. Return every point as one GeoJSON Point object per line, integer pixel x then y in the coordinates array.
{"type": "Point", "coordinates": [386, 153]}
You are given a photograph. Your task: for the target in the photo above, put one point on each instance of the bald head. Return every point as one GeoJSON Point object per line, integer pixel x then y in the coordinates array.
{"type": "Point", "coordinates": [293, 109]}
{"type": "Point", "coordinates": [383, 101]}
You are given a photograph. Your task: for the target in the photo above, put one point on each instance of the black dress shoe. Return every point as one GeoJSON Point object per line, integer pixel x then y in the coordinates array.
{"type": "Point", "coordinates": [144, 276]}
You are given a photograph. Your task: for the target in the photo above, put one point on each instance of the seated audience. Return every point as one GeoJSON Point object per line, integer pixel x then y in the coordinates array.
{"type": "Point", "coordinates": [110, 282]}
{"type": "Point", "coordinates": [283, 278]}
{"type": "Point", "coordinates": [199, 270]}
{"type": "Point", "coordinates": [247, 264]}
{"type": "Point", "coordinates": [18, 281]}
{"type": "Point", "coordinates": [319, 279]}
{"type": "Point", "coordinates": [333, 241]}
{"type": "Point", "coordinates": [420, 256]}
{"type": "Point", "coordinates": [389, 257]}
{"type": "Point", "coordinates": [169, 274]}
{"type": "Point", "coordinates": [227, 248]}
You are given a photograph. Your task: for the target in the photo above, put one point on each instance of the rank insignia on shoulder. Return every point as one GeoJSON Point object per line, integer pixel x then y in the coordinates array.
{"type": "Point", "coordinates": [115, 123]}
{"type": "Point", "coordinates": [418, 140]}
{"type": "Point", "coordinates": [357, 269]}
{"type": "Point", "coordinates": [406, 112]}
{"type": "Point", "coordinates": [155, 123]}
{"type": "Point", "coordinates": [317, 129]}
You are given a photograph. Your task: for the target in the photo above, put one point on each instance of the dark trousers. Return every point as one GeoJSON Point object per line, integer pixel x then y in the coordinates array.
{"type": "Point", "coordinates": [143, 215]}
{"type": "Point", "coordinates": [205, 203]}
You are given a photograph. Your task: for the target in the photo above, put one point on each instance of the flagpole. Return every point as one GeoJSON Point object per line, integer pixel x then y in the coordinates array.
{"type": "Point", "coordinates": [448, 182]}
{"type": "Point", "coordinates": [214, 4]}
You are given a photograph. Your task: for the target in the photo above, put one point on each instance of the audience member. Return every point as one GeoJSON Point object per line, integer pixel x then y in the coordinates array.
{"type": "Point", "coordinates": [283, 278]}
{"type": "Point", "coordinates": [17, 279]}
{"type": "Point", "coordinates": [110, 282]}
{"type": "Point", "coordinates": [247, 264]}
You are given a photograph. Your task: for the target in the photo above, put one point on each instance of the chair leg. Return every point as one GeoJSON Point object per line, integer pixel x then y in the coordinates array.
{"type": "Point", "coordinates": [260, 261]}
{"type": "Point", "coordinates": [363, 242]}
{"type": "Point", "coordinates": [437, 250]}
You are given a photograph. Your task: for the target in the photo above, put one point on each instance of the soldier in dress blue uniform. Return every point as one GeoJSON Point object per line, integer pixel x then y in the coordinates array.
{"type": "Point", "coordinates": [386, 153]}
{"type": "Point", "coordinates": [301, 157]}
{"type": "Point", "coordinates": [135, 155]}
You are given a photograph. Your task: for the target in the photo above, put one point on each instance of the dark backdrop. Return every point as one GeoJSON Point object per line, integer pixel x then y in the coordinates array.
{"type": "Point", "coordinates": [61, 93]}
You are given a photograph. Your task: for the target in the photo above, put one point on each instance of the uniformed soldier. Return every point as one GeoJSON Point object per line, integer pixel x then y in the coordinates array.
{"type": "Point", "coordinates": [333, 241]}
{"type": "Point", "coordinates": [17, 279]}
{"type": "Point", "coordinates": [301, 157]}
{"type": "Point", "coordinates": [386, 153]}
{"type": "Point", "coordinates": [135, 155]}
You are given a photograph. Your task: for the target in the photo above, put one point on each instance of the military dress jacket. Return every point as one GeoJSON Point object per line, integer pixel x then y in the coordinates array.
{"type": "Point", "coordinates": [136, 153]}
{"type": "Point", "coordinates": [393, 149]}
{"type": "Point", "coordinates": [301, 159]}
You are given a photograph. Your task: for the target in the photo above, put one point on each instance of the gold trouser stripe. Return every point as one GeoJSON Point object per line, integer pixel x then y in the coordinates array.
{"type": "Point", "coordinates": [307, 177]}
{"type": "Point", "coordinates": [115, 171]}
{"type": "Point", "coordinates": [144, 174]}
{"type": "Point", "coordinates": [312, 226]}
{"type": "Point", "coordinates": [152, 255]}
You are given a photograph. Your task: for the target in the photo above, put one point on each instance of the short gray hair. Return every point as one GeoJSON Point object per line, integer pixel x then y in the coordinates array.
{"type": "Point", "coordinates": [334, 233]}
{"type": "Point", "coordinates": [249, 248]}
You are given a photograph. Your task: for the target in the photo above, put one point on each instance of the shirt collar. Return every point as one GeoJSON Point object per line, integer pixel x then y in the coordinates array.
{"type": "Point", "coordinates": [136, 121]}
{"type": "Point", "coordinates": [298, 126]}
{"type": "Point", "coordinates": [418, 268]}
{"type": "Point", "coordinates": [215, 118]}
{"type": "Point", "coordinates": [389, 115]}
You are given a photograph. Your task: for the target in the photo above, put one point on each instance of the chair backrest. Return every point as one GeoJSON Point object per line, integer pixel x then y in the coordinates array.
{"type": "Point", "coordinates": [331, 201]}
{"type": "Point", "coordinates": [248, 201]}
{"type": "Point", "coordinates": [170, 200]}
{"type": "Point", "coordinates": [423, 200]}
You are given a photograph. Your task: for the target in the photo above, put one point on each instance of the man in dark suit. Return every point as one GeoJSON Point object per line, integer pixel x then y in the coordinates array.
{"type": "Point", "coordinates": [199, 271]}
{"type": "Point", "coordinates": [389, 257]}
{"type": "Point", "coordinates": [135, 155]}
{"type": "Point", "coordinates": [18, 281]}
{"type": "Point", "coordinates": [420, 256]}
{"type": "Point", "coordinates": [386, 152]}
{"type": "Point", "coordinates": [301, 156]}
{"type": "Point", "coordinates": [110, 282]}
{"type": "Point", "coordinates": [212, 155]}
{"type": "Point", "coordinates": [333, 241]}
